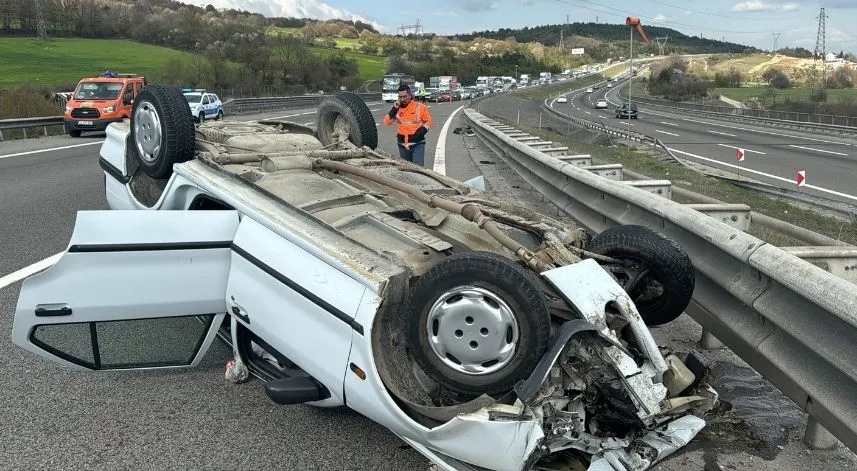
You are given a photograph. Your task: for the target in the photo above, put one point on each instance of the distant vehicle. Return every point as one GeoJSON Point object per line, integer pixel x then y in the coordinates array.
{"type": "Point", "coordinates": [609, 85]}
{"type": "Point", "coordinates": [601, 104]}
{"type": "Point", "coordinates": [203, 104]}
{"type": "Point", "coordinates": [590, 90]}
{"type": "Point", "coordinates": [390, 85]}
{"type": "Point", "coordinates": [562, 99]}
{"type": "Point", "coordinates": [622, 111]}
{"type": "Point", "coordinates": [99, 101]}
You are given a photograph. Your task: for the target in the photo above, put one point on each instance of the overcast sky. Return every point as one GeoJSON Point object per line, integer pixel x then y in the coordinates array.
{"type": "Point", "coordinates": [751, 22]}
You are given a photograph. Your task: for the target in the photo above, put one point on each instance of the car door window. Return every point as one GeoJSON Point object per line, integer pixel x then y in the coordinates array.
{"type": "Point", "coordinates": [138, 343]}
{"type": "Point", "coordinates": [205, 100]}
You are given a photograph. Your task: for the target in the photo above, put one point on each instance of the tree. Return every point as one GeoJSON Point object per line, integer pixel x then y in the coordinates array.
{"type": "Point", "coordinates": [776, 78]}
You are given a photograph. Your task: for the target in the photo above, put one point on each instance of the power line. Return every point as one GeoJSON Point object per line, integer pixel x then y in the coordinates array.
{"type": "Point", "coordinates": [776, 38]}
{"type": "Point", "coordinates": [718, 15]}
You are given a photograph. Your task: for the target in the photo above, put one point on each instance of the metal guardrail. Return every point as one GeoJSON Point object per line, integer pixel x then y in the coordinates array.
{"type": "Point", "coordinates": [29, 123]}
{"type": "Point", "coordinates": [788, 318]}
{"type": "Point", "coordinates": [249, 105]}
{"type": "Point", "coordinates": [232, 106]}
{"type": "Point", "coordinates": [830, 124]}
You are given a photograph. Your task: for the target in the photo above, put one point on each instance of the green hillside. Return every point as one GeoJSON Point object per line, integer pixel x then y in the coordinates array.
{"type": "Point", "coordinates": [368, 67]}
{"type": "Point", "coordinates": [63, 62]}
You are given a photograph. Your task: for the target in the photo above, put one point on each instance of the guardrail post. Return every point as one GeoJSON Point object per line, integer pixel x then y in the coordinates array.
{"type": "Point", "coordinates": [709, 341]}
{"type": "Point", "coordinates": [45, 128]}
{"type": "Point", "coordinates": [25, 132]}
{"type": "Point", "coordinates": [817, 437]}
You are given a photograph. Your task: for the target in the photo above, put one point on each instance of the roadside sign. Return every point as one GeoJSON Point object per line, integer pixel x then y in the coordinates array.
{"type": "Point", "coordinates": [740, 153]}
{"type": "Point", "coordinates": [577, 51]}
{"type": "Point", "coordinates": [801, 178]}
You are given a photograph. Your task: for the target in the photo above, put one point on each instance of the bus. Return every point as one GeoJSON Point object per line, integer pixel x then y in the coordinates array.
{"type": "Point", "coordinates": [390, 85]}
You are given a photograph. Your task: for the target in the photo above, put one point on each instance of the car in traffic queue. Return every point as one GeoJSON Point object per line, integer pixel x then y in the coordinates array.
{"type": "Point", "coordinates": [601, 104]}
{"type": "Point", "coordinates": [485, 335]}
{"type": "Point", "coordinates": [203, 104]}
{"type": "Point", "coordinates": [562, 99]}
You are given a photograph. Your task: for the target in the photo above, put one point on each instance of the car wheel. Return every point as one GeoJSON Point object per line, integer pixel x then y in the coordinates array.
{"type": "Point", "coordinates": [201, 117]}
{"type": "Point", "coordinates": [219, 116]}
{"type": "Point", "coordinates": [477, 323]}
{"type": "Point", "coordinates": [74, 133]}
{"type": "Point", "coordinates": [162, 130]}
{"type": "Point", "coordinates": [344, 116]}
{"type": "Point", "coordinates": [658, 274]}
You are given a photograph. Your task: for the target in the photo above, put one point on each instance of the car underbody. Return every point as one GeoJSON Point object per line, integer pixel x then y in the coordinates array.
{"type": "Point", "coordinates": [500, 338]}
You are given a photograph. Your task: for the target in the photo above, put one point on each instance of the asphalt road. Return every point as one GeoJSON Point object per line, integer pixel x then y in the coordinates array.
{"type": "Point", "coordinates": [54, 418]}
{"type": "Point", "coordinates": [771, 155]}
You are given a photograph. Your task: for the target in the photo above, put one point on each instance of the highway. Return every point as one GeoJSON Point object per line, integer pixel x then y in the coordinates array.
{"type": "Point", "coordinates": [771, 155]}
{"type": "Point", "coordinates": [195, 419]}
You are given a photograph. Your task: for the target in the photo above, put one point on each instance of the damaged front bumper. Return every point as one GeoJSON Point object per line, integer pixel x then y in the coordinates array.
{"type": "Point", "coordinates": [597, 400]}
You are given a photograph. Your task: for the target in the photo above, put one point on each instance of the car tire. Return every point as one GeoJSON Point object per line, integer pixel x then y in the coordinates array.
{"type": "Point", "coordinates": [345, 111]}
{"type": "Point", "coordinates": [668, 264]}
{"type": "Point", "coordinates": [162, 130]}
{"type": "Point", "coordinates": [219, 116]}
{"type": "Point", "coordinates": [476, 297]}
{"type": "Point", "coordinates": [201, 117]}
{"type": "Point", "coordinates": [74, 133]}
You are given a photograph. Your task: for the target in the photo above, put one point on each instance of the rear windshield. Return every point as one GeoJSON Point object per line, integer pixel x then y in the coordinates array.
{"type": "Point", "coordinates": [98, 91]}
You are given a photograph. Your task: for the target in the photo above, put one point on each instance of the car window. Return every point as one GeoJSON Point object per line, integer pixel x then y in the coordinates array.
{"type": "Point", "coordinates": [205, 100]}
{"type": "Point", "coordinates": [214, 98]}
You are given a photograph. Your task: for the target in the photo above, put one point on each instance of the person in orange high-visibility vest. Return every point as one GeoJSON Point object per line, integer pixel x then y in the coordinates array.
{"type": "Point", "coordinates": [414, 121]}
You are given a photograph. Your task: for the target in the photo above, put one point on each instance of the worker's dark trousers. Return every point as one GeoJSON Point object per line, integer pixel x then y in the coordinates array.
{"type": "Point", "coordinates": [416, 155]}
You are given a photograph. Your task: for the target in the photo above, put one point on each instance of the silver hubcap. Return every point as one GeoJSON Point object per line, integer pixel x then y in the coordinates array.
{"type": "Point", "coordinates": [472, 330]}
{"type": "Point", "coordinates": [341, 129]}
{"type": "Point", "coordinates": [147, 129]}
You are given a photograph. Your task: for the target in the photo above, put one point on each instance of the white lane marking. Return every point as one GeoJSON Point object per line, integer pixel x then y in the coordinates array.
{"type": "Point", "coordinates": [27, 271]}
{"type": "Point", "coordinates": [749, 170]}
{"type": "Point", "coordinates": [587, 112]}
{"type": "Point", "coordinates": [376, 124]}
{"type": "Point", "coordinates": [375, 109]}
{"type": "Point", "coordinates": [746, 129]}
{"type": "Point", "coordinates": [818, 150]}
{"type": "Point", "coordinates": [308, 112]}
{"type": "Point", "coordinates": [307, 124]}
{"type": "Point", "coordinates": [625, 122]}
{"type": "Point", "coordinates": [440, 149]}
{"type": "Point", "coordinates": [286, 116]}
{"type": "Point", "coordinates": [51, 149]}
{"type": "Point", "coordinates": [664, 132]}
{"type": "Point", "coordinates": [745, 150]}
{"type": "Point", "coordinates": [669, 124]}
{"type": "Point", "coordinates": [722, 133]}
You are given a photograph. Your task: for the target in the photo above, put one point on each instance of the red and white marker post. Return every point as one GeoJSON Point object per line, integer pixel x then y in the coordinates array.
{"type": "Point", "coordinates": [801, 178]}
{"type": "Point", "coordinates": [740, 155]}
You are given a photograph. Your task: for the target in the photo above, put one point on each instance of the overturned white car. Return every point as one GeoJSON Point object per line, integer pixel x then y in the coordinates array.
{"type": "Point", "coordinates": [483, 334]}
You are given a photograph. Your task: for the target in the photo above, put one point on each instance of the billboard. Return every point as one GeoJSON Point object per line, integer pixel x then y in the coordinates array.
{"type": "Point", "coordinates": [577, 50]}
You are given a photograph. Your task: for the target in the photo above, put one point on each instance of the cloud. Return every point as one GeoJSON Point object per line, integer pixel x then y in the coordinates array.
{"type": "Point", "coordinates": [444, 13]}
{"type": "Point", "coordinates": [527, 3]}
{"type": "Point", "coordinates": [660, 17]}
{"type": "Point", "coordinates": [478, 5]}
{"type": "Point", "coordinates": [286, 8]}
{"type": "Point", "coordinates": [758, 5]}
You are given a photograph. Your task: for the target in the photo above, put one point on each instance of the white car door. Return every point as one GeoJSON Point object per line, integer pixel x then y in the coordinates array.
{"type": "Point", "coordinates": [134, 289]}
{"type": "Point", "coordinates": [301, 305]}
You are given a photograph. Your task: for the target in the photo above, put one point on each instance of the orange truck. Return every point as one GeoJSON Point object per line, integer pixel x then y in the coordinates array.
{"type": "Point", "coordinates": [101, 100]}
